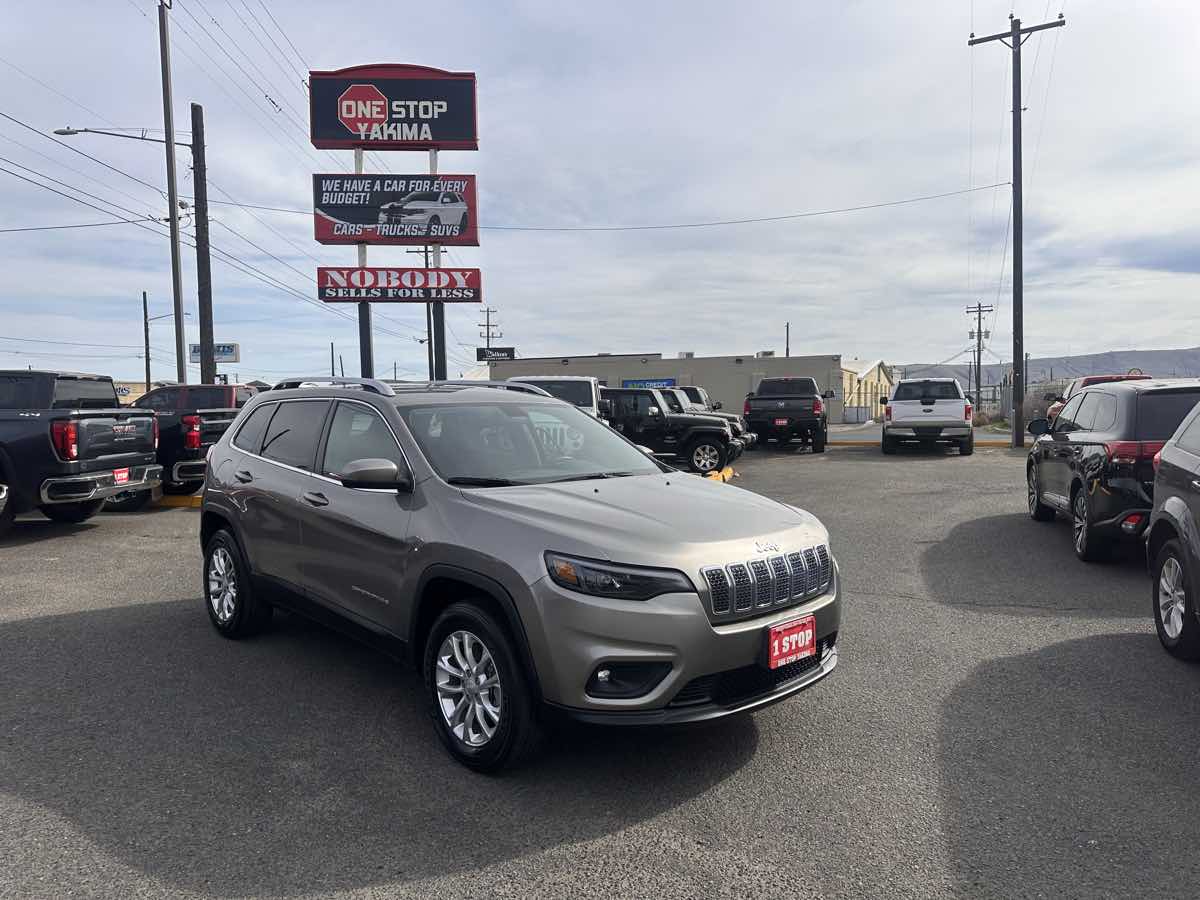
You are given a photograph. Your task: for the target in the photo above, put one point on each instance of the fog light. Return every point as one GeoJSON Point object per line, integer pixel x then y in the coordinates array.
{"type": "Point", "coordinates": [624, 680]}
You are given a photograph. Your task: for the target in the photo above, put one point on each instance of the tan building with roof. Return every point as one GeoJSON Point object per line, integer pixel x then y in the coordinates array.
{"type": "Point", "coordinates": [864, 382]}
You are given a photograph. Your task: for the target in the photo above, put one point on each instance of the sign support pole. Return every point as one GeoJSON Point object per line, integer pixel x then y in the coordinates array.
{"type": "Point", "coordinates": [366, 353]}
{"type": "Point", "coordinates": [429, 325]}
{"type": "Point", "coordinates": [439, 308]}
{"type": "Point", "coordinates": [164, 51]}
{"type": "Point", "coordinates": [208, 366]}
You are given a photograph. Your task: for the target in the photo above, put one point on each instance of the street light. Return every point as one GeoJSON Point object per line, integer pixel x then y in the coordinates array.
{"type": "Point", "coordinates": [208, 366]}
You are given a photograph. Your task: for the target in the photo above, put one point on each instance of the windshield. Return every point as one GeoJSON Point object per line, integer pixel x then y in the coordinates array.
{"type": "Point", "coordinates": [577, 392]}
{"type": "Point", "coordinates": [771, 386]}
{"type": "Point", "coordinates": [485, 445]}
{"type": "Point", "coordinates": [927, 390]}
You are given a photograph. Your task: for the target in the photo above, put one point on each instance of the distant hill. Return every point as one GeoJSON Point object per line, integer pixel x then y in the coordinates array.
{"type": "Point", "coordinates": [1164, 363]}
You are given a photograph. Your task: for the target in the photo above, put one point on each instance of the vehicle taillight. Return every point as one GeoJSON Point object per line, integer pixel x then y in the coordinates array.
{"type": "Point", "coordinates": [155, 421]}
{"type": "Point", "coordinates": [1157, 460]}
{"type": "Point", "coordinates": [887, 413]}
{"type": "Point", "coordinates": [967, 414]}
{"type": "Point", "coordinates": [1130, 452]}
{"type": "Point", "coordinates": [191, 432]}
{"type": "Point", "coordinates": [65, 436]}
{"type": "Point", "coordinates": [746, 407]}
{"type": "Point", "coordinates": [818, 406]}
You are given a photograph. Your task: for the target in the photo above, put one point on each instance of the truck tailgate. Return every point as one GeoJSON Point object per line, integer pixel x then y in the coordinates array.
{"type": "Point", "coordinates": [781, 406]}
{"type": "Point", "coordinates": [928, 411]}
{"type": "Point", "coordinates": [112, 432]}
{"type": "Point", "coordinates": [214, 423]}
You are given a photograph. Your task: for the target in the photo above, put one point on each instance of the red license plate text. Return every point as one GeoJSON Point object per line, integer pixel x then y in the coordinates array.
{"type": "Point", "coordinates": [791, 641]}
{"type": "Point", "coordinates": [120, 476]}
{"type": "Point", "coordinates": [781, 421]}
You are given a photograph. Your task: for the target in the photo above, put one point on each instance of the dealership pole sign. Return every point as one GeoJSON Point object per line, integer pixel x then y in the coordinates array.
{"type": "Point", "coordinates": [490, 354]}
{"type": "Point", "coordinates": [395, 209]}
{"type": "Point", "coordinates": [392, 285]}
{"type": "Point", "coordinates": [392, 107]}
{"type": "Point", "coordinates": [222, 353]}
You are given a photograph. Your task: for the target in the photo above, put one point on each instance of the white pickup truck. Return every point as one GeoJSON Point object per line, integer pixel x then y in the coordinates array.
{"type": "Point", "coordinates": [928, 411]}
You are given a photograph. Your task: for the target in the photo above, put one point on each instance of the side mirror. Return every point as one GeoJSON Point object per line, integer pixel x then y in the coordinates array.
{"type": "Point", "coordinates": [718, 405]}
{"type": "Point", "coordinates": [1039, 426]}
{"type": "Point", "coordinates": [381, 474]}
{"type": "Point", "coordinates": [654, 411]}
{"type": "Point", "coordinates": [646, 450]}
{"type": "Point", "coordinates": [883, 401]}
{"type": "Point", "coordinates": [604, 407]}
{"type": "Point", "coordinates": [828, 395]}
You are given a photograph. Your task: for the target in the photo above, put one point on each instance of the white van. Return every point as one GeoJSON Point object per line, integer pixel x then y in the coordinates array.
{"type": "Point", "coordinates": [581, 390]}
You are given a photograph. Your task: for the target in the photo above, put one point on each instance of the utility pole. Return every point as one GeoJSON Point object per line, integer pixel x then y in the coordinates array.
{"type": "Point", "coordinates": [979, 334]}
{"type": "Point", "coordinates": [164, 52]}
{"type": "Point", "coordinates": [395, 372]}
{"type": "Point", "coordinates": [428, 319]}
{"type": "Point", "coordinates": [342, 365]}
{"type": "Point", "coordinates": [787, 338]}
{"type": "Point", "coordinates": [208, 364]}
{"type": "Point", "coordinates": [488, 327]}
{"type": "Point", "coordinates": [146, 333]}
{"type": "Point", "coordinates": [1016, 35]}
{"type": "Point", "coordinates": [332, 370]}
{"type": "Point", "coordinates": [366, 351]}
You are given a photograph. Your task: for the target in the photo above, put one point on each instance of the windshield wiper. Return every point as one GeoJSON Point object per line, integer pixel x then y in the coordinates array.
{"type": "Point", "coordinates": [591, 475]}
{"type": "Point", "coordinates": [476, 481]}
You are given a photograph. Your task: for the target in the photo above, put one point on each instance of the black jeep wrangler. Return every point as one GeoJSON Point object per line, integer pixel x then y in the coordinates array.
{"type": "Point", "coordinates": [704, 443]}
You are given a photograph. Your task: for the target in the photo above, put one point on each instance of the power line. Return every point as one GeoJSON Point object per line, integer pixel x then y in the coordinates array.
{"type": "Point", "coordinates": [275, 44]}
{"type": "Point", "coordinates": [55, 91]}
{"type": "Point", "coordinates": [4, 337]}
{"type": "Point", "coordinates": [66, 227]}
{"type": "Point", "coordinates": [57, 162]}
{"type": "Point", "coordinates": [267, 10]}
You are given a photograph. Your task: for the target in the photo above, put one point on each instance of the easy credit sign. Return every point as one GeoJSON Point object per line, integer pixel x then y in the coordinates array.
{"type": "Point", "coordinates": [392, 107]}
{"type": "Point", "coordinates": [391, 285]}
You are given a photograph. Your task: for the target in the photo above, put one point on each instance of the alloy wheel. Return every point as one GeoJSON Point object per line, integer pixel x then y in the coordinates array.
{"type": "Point", "coordinates": [705, 457]}
{"type": "Point", "coordinates": [1079, 522]}
{"type": "Point", "coordinates": [3, 497]}
{"type": "Point", "coordinates": [1171, 598]}
{"type": "Point", "coordinates": [1033, 489]}
{"type": "Point", "coordinates": [469, 693]}
{"type": "Point", "coordinates": [222, 585]}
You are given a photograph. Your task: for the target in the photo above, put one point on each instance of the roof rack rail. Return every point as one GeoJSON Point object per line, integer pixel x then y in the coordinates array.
{"type": "Point", "coordinates": [462, 383]}
{"type": "Point", "coordinates": [363, 384]}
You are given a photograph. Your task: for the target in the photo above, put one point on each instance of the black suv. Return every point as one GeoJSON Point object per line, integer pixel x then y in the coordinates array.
{"type": "Point", "coordinates": [1171, 550]}
{"type": "Point", "coordinates": [704, 443]}
{"type": "Point", "coordinates": [1095, 462]}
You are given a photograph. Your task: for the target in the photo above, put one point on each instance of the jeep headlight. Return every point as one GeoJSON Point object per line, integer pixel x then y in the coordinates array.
{"type": "Point", "coordinates": [603, 579]}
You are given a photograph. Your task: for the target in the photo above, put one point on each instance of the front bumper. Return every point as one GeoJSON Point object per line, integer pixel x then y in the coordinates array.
{"type": "Point", "coordinates": [715, 669]}
{"type": "Point", "coordinates": [98, 485]}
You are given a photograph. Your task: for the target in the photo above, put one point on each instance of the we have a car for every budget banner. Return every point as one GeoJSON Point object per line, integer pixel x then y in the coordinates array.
{"type": "Point", "coordinates": [395, 209]}
{"type": "Point", "coordinates": [385, 284]}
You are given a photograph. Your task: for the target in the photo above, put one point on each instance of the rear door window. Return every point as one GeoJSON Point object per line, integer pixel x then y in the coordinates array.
{"type": "Point", "coordinates": [249, 436]}
{"type": "Point", "coordinates": [1106, 412]}
{"type": "Point", "coordinates": [291, 437]}
{"type": "Point", "coordinates": [1066, 419]}
{"type": "Point", "coordinates": [358, 432]}
{"type": "Point", "coordinates": [16, 392]}
{"type": "Point", "coordinates": [1160, 412]}
{"type": "Point", "coordinates": [1085, 418]}
{"type": "Point", "coordinates": [84, 393]}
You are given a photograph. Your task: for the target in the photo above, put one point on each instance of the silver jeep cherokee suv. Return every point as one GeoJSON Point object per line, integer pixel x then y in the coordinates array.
{"type": "Point", "coordinates": [523, 575]}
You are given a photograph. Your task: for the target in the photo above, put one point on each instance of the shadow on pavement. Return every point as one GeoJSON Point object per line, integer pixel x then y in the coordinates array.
{"type": "Point", "coordinates": [974, 565]}
{"type": "Point", "coordinates": [36, 528]}
{"type": "Point", "coordinates": [1069, 771]}
{"type": "Point", "coordinates": [299, 761]}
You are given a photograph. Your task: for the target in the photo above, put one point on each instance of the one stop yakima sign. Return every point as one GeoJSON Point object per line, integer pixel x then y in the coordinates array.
{"type": "Point", "coordinates": [362, 106]}
{"type": "Point", "coordinates": [389, 285]}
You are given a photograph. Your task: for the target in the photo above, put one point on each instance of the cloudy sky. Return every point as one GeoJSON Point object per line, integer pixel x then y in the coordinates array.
{"type": "Point", "coordinates": [616, 114]}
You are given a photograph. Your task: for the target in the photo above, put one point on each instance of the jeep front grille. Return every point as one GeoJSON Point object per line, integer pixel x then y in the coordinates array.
{"type": "Point", "coordinates": [738, 588]}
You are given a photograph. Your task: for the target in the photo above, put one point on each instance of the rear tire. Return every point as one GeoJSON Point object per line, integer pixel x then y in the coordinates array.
{"type": "Point", "coordinates": [888, 445]}
{"type": "Point", "coordinates": [7, 513]}
{"type": "Point", "coordinates": [1088, 546]}
{"type": "Point", "coordinates": [818, 441]}
{"type": "Point", "coordinates": [72, 513]}
{"type": "Point", "coordinates": [234, 606]}
{"type": "Point", "coordinates": [967, 447]}
{"type": "Point", "coordinates": [515, 731]}
{"type": "Point", "coordinates": [130, 501]}
{"type": "Point", "coordinates": [706, 455]}
{"type": "Point", "coordinates": [1174, 606]}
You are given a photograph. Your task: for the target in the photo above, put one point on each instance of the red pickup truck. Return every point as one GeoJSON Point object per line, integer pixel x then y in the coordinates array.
{"type": "Point", "coordinates": [1079, 384]}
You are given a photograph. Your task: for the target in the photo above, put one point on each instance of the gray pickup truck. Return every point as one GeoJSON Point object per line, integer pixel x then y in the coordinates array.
{"type": "Point", "coordinates": [66, 445]}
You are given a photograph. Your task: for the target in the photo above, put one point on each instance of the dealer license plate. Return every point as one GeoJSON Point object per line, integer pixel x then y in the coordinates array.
{"type": "Point", "coordinates": [120, 476]}
{"type": "Point", "coordinates": [781, 421]}
{"type": "Point", "coordinates": [791, 641]}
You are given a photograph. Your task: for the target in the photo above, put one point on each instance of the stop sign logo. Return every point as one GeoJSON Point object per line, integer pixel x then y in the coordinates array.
{"type": "Point", "coordinates": [361, 106]}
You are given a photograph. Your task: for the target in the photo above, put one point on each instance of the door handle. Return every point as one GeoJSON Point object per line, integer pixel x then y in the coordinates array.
{"type": "Point", "coordinates": [316, 499]}
{"type": "Point", "coordinates": [243, 475]}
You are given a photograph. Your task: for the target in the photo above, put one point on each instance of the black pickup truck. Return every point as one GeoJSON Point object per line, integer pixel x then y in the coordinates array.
{"type": "Point", "coordinates": [704, 443]}
{"type": "Point", "coordinates": [783, 409]}
{"type": "Point", "coordinates": [66, 445]}
{"type": "Point", "coordinates": [191, 418]}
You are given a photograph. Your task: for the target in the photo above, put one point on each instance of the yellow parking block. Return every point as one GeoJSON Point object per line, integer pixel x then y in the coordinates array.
{"type": "Point", "coordinates": [187, 501]}
{"type": "Point", "coordinates": [726, 474]}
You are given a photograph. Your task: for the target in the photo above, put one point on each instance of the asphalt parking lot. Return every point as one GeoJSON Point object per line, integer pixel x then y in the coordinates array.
{"type": "Point", "coordinates": [1003, 723]}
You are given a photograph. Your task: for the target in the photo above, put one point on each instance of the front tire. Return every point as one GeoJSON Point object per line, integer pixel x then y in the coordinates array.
{"type": "Point", "coordinates": [8, 509]}
{"type": "Point", "coordinates": [72, 513]}
{"type": "Point", "coordinates": [233, 605]}
{"type": "Point", "coordinates": [1174, 607]}
{"type": "Point", "coordinates": [1038, 511]}
{"type": "Point", "coordinates": [479, 696]}
{"type": "Point", "coordinates": [1088, 546]}
{"type": "Point", "coordinates": [706, 455]}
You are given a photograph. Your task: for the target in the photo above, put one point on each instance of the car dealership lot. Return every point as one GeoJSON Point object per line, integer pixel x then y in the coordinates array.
{"type": "Point", "coordinates": [1002, 723]}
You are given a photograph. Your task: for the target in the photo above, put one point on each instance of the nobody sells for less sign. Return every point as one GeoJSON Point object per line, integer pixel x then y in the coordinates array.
{"type": "Point", "coordinates": [353, 284]}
